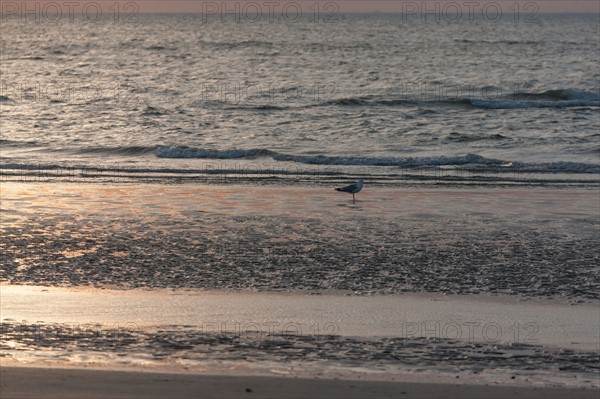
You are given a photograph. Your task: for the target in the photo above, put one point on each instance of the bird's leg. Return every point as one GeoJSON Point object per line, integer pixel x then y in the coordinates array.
{"type": "Point", "coordinates": [353, 198]}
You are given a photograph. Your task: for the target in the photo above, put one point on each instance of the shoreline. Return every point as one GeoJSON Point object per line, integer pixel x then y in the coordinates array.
{"type": "Point", "coordinates": [519, 242]}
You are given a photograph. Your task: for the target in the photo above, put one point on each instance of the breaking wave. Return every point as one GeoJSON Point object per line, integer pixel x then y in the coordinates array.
{"type": "Point", "coordinates": [469, 159]}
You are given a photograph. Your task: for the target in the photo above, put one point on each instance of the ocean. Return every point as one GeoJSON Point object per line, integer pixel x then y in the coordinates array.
{"type": "Point", "coordinates": [395, 100]}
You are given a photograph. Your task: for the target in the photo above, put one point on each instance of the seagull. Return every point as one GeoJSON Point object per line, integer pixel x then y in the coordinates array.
{"type": "Point", "coordinates": [353, 188]}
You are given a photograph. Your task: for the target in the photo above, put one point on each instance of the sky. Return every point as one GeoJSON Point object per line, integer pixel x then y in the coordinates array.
{"type": "Point", "coordinates": [307, 6]}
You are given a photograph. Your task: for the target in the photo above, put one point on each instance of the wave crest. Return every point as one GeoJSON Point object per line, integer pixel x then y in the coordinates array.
{"type": "Point", "coordinates": [410, 162]}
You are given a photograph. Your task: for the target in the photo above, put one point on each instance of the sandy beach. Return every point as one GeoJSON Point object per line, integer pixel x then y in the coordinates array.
{"type": "Point", "coordinates": [411, 337]}
{"type": "Point", "coordinates": [271, 238]}
{"type": "Point", "coordinates": [219, 289]}
{"type": "Point", "coordinates": [43, 383]}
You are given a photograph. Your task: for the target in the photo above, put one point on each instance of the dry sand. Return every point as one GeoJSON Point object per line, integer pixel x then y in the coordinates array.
{"type": "Point", "coordinates": [46, 383]}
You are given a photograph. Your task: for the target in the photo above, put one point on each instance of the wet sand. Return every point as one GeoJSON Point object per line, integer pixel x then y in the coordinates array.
{"type": "Point", "coordinates": [468, 318]}
{"type": "Point", "coordinates": [494, 340]}
{"type": "Point", "coordinates": [366, 274]}
{"type": "Point", "coordinates": [43, 383]}
{"type": "Point", "coordinates": [529, 242]}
